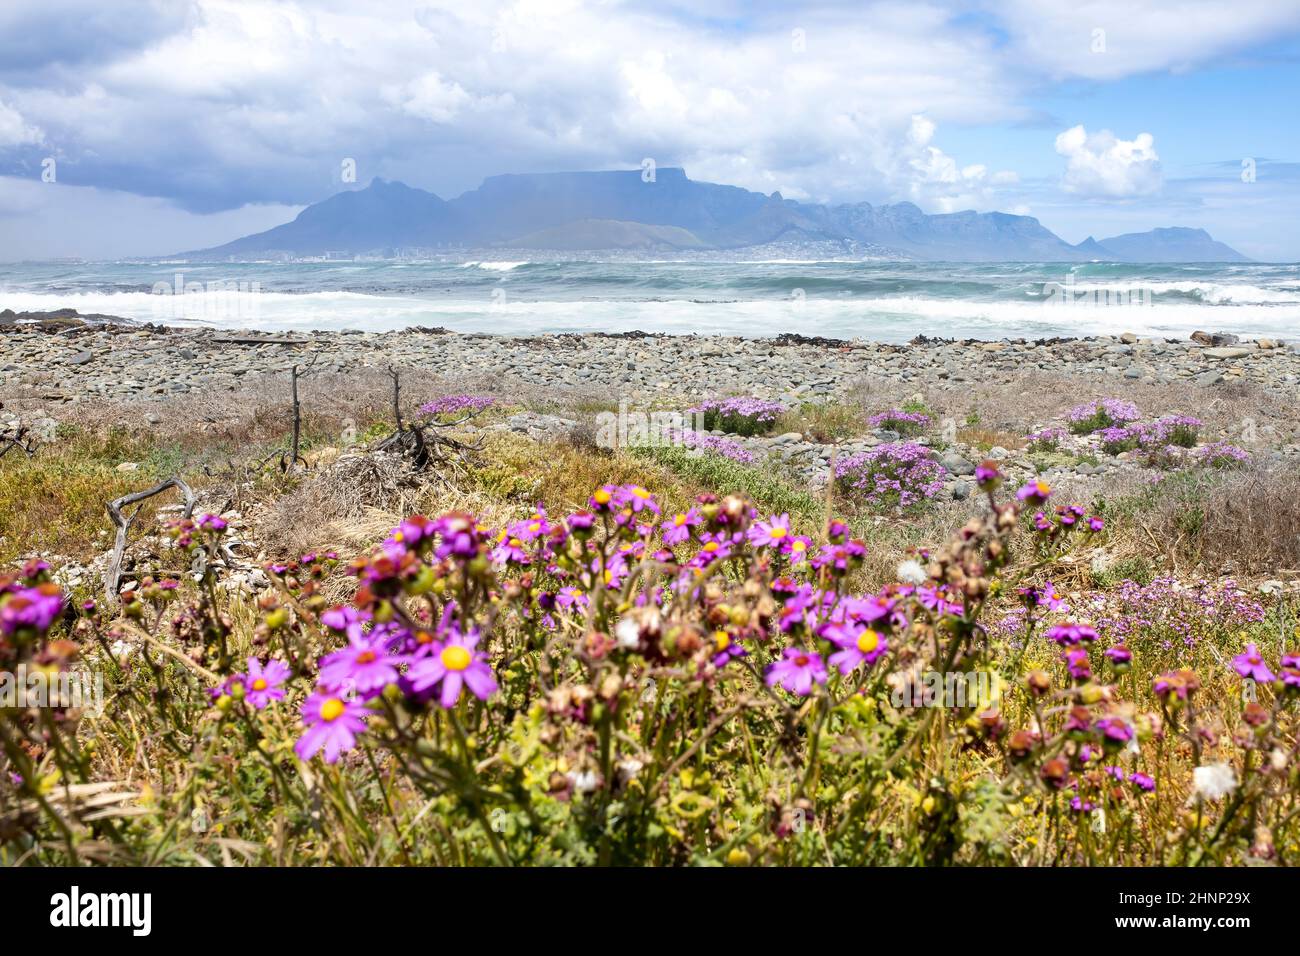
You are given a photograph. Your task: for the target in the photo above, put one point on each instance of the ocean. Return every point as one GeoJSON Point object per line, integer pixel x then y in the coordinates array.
{"type": "Point", "coordinates": [877, 300]}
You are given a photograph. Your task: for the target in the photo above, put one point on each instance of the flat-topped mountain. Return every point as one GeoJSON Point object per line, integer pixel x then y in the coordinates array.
{"type": "Point", "coordinates": [1171, 244]}
{"type": "Point", "coordinates": [622, 210]}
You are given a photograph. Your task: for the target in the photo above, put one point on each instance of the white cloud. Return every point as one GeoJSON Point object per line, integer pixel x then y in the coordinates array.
{"type": "Point", "coordinates": [254, 102]}
{"type": "Point", "coordinates": [1108, 39]}
{"type": "Point", "coordinates": [15, 131]}
{"type": "Point", "coordinates": [1103, 165]}
{"type": "Point", "coordinates": [935, 181]}
{"type": "Point", "coordinates": [431, 98]}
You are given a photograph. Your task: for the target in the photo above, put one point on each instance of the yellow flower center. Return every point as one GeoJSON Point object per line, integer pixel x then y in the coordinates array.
{"type": "Point", "coordinates": [331, 710]}
{"type": "Point", "coordinates": [778, 533]}
{"type": "Point", "coordinates": [711, 546]}
{"type": "Point", "coordinates": [799, 546]}
{"type": "Point", "coordinates": [602, 497]}
{"type": "Point", "coordinates": [259, 684]}
{"type": "Point", "coordinates": [535, 526]}
{"type": "Point", "coordinates": [455, 657]}
{"type": "Point", "coordinates": [514, 542]}
{"type": "Point", "coordinates": [679, 520]}
{"type": "Point", "coordinates": [721, 640]}
{"type": "Point", "coordinates": [868, 641]}
{"type": "Point", "coordinates": [641, 493]}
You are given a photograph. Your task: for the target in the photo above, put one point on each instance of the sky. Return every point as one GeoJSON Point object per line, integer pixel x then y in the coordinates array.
{"type": "Point", "coordinates": [143, 127]}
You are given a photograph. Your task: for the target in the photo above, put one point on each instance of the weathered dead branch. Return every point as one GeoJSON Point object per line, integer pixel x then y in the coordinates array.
{"type": "Point", "coordinates": [113, 573]}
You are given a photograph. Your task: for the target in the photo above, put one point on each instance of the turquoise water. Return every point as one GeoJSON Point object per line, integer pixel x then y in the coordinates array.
{"type": "Point", "coordinates": [882, 300]}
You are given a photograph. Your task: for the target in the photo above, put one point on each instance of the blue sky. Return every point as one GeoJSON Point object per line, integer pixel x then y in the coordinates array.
{"type": "Point", "coordinates": [186, 123]}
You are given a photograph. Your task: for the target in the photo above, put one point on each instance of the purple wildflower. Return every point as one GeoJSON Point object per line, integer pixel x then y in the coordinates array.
{"type": "Point", "coordinates": [453, 404]}
{"type": "Point", "coordinates": [1250, 664]}
{"type": "Point", "coordinates": [262, 682]}
{"type": "Point", "coordinates": [34, 609]}
{"type": "Point", "coordinates": [364, 665]}
{"type": "Point", "coordinates": [332, 725]}
{"type": "Point", "coordinates": [796, 671]}
{"type": "Point", "coordinates": [455, 664]}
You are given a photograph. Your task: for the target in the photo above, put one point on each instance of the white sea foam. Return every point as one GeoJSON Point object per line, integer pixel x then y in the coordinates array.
{"type": "Point", "coordinates": [493, 266]}
{"type": "Point", "coordinates": [895, 318]}
{"type": "Point", "coordinates": [1211, 293]}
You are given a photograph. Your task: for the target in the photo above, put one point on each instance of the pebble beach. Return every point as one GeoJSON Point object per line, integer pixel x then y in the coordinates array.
{"type": "Point", "coordinates": [77, 362]}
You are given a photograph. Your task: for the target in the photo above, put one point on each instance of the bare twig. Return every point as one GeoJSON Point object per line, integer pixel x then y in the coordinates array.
{"type": "Point", "coordinates": [397, 396]}
{"type": "Point", "coordinates": [16, 440]}
{"type": "Point", "coordinates": [294, 375]}
{"type": "Point", "coordinates": [113, 574]}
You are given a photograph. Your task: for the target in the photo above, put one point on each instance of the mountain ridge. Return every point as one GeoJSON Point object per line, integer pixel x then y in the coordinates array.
{"type": "Point", "coordinates": [623, 209]}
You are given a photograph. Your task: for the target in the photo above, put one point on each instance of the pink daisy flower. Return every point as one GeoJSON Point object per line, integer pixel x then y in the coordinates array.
{"type": "Point", "coordinates": [770, 533]}
{"type": "Point", "coordinates": [797, 671]}
{"type": "Point", "coordinates": [332, 726]}
{"type": "Point", "coordinates": [455, 664]}
{"type": "Point", "coordinates": [677, 530]}
{"type": "Point", "coordinates": [856, 647]}
{"type": "Point", "coordinates": [365, 665]}
{"type": "Point", "coordinates": [1250, 664]}
{"type": "Point", "coordinates": [262, 682]}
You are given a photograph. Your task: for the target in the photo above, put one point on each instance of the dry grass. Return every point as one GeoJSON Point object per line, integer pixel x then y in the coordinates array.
{"type": "Point", "coordinates": [986, 439]}
{"type": "Point", "coordinates": [824, 421]}
{"type": "Point", "coordinates": [1244, 522]}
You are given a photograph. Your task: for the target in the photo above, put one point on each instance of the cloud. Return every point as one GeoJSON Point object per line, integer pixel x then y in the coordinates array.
{"type": "Point", "coordinates": [15, 131]}
{"type": "Point", "coordinates": [241, 102]}
{"type": "Point", "coordinates": [937, 182]}
{"type": "Point", "coordinates": [1104, 166]}
{"type": "Point", "coordinates": [1109, 39]}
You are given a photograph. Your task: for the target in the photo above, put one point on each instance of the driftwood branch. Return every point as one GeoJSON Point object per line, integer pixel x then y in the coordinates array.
{"type": "Point", "coordinates": [291, 457]}
{"type": "Point", "coordinates": [297, 372]}
{"type": "Point", "coordinates": [18, 439]}
{"type": "Point", "coordinates": [113, 574]}
{"type": "Point", "coordinates": [397, 396]}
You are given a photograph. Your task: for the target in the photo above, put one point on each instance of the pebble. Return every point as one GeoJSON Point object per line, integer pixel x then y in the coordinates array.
{"type": "Point", "coordinates": [126, 362]}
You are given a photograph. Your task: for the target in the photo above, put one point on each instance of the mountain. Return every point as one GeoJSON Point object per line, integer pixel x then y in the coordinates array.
{"type": "Point", "coordinates": [626, 210]}
{"type": "Point", "coordinates": [1093, 249]}
{"type": "Point", "coordinates": [608, 234]}
{"type": "Point", "coordinates": [383, 215]}
{"type": "Point", "coordinates": [1172, 244]}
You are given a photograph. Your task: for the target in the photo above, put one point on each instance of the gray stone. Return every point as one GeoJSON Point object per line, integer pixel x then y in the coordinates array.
{"type": "Point", "coordinates": [956, 464]}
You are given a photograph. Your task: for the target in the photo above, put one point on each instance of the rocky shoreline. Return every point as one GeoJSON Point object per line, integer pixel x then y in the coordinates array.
{"type": "Point", "coordinates": [75, 361]}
